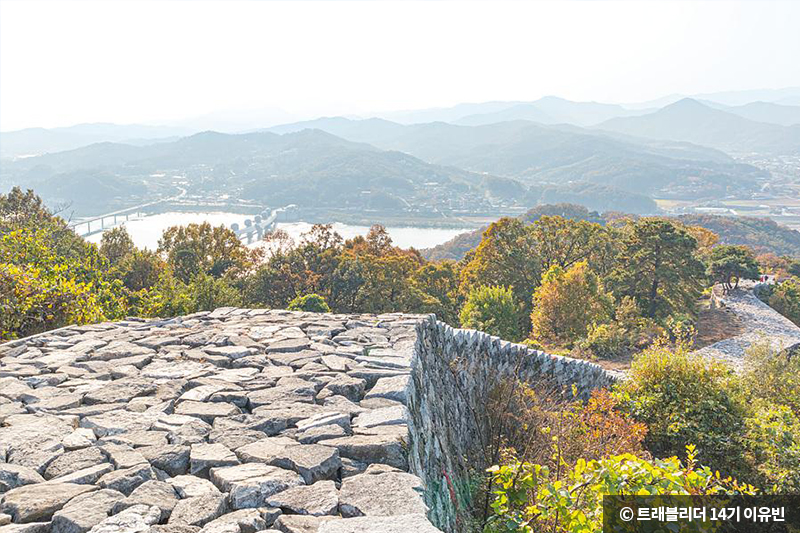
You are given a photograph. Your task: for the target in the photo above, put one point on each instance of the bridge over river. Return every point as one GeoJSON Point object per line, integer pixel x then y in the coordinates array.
{"type": "Point", "coordinates": [252, 230]}
{"type": "Point", "coordinates": [98, 224]}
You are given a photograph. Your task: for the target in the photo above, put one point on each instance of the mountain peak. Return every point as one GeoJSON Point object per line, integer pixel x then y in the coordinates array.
{"type": "Point", "coordinates": [687, 104]}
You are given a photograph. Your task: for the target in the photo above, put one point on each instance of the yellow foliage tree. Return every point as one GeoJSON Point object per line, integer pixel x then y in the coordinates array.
{"type": "Point", "coordinates": [566, 305]}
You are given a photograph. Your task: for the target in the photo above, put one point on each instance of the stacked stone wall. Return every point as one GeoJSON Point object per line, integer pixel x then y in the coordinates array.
{"type": "Point", "coordinates": [453, 373]}
{"type": "Point", "coordinates": [761, 324]}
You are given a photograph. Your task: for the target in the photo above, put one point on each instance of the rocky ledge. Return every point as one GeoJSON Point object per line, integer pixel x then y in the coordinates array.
{"type": "Point", "coordinates": [232, 421]}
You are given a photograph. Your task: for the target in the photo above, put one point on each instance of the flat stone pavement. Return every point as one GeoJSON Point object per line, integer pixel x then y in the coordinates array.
{"type": "Point", "coordinates": [232, 421]}
{"type": "Point", "coordinates": [761, 324]}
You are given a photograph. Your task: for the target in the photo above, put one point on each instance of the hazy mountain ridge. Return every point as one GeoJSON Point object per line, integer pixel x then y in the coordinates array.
{"type": "Point", "coordinates": [677, 152]}
{"type": "Point", "coordinates": [555, 154]}
{"type": "Point", "coordinates": [36, 141]}
{"type": "Point", "coordinates": [310, 167]}
{"type": "Point", "coordinates": [780, 106]}
{"type": "Point", "coordinates": [784, 115]}
{"type": "Point", "coordinates": [692, 121]}
{"type": "Point", "coordinates": [552, 110]}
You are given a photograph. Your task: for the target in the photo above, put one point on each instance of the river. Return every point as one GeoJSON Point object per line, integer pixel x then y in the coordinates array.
{"type": "Point", "coordinates": [146, 231]}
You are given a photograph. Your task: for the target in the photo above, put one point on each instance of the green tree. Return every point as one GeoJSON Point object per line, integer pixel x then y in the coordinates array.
{"type": "Point", "coordinates": [41, 290]}
{"type": "Point", "coordinates": [772, 436]}
{"type": "Point", "coordinates": [728, 264]}
{"type": "Point", "coordinates": [309, 267]}
{"type": "Point", "coordinates": [311, 303]}
{"type": "Point", "coordinates": [169, 297]}
{"type": "Point", "coordinates": [658, 268]}
{"type": "Point", "coordinates": [507, 256]}
{"type": "Point", "coordinates": [773, 376]}
{"type": "Point", "coordinates": [115, 244]}
{"type": "Point", "coordinates": [564, 242]}
{"type": "Point", "coordinates": [140, 269]}
{"type": "Point", "coordinates": [49, 276]}
{"type": "Point", "coordinates": [440, 282]}
{"type": "Point", "coordinates": [207, 293]}
{"type": "Point", "coordinates": [494, 310]}
{"type": "Point", "coordinates": [567, 304]}
{"type": "Point", "coordinates": [203, 249]}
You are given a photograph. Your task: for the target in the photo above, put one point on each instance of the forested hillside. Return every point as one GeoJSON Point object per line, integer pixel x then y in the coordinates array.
{"type": "Point", "coordinates": [761, 234]}
{"type": "Point", "coordinates": [308, 168]}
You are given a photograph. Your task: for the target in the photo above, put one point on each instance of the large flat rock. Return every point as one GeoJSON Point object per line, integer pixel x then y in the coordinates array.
{"type": "Point", "coordinates": [39, 502]}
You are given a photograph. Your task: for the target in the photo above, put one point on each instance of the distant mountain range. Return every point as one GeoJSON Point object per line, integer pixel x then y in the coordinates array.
{"type": "Point", "coordinates": [778, 107]}
{"type": "Point", "coordinates": [754, 105]}
{"type": "Point", "coordinates": [379, 164]}
{"type": "Point", "coordinates": [463, 158]}
{"type": "Point", "coordinates": [551, 110]}
{"type": "Point", "coordinates": [692, 121]}
{"type": "Point", "coordinates": [537, 154]}
{"type": "Point", "coordinates": [310, 168]}
{"type": "Point", "coordinates": [36, 141]}
{"type": "Point", "coordinates": [783, 115]}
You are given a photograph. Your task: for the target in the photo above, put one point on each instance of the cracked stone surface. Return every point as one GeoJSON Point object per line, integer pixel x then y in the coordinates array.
{"type": "Point", "coordinates": [231, 421]}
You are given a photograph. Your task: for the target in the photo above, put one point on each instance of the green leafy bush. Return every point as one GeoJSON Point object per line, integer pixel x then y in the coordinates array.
{"type": "Point", "coordinates": [773, 441]}
{"type": "Point", "coordinates": [529, 498]}
{"type": "Point", "coordinates": [785, 298]}
{"type": "Point", "coordinates": [772, 376]}
{"type": "Point", "coordinates": [168, 297]}
{"type": "Point", "coordinates": [41, 289]}
{"type": "Point", "coordinates": [605, 340]}
{"type": "Point", "coordinates": [493, 310]}
{"type": "Point", "coordinates": [312, 303]}
{"type": "Point", "coordinates": [208, 293]}
{"type": "Point", "coordinates": [685, 399]}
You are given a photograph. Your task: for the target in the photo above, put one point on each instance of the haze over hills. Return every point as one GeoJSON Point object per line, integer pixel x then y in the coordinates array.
{"type": "Point", "coordinates": [552, 110]}
{"type": "Point", "coordinates": [692, 121]}
{"type": "Point", "coordinates": [540, 154]}
{"type": "Point", "coordinates": [308, 167]}
{"type": "Point", "coordinates": [555, 110]}
{"type": "Point", "coordinates": [384, 165]}
{"type": "Point", "coordinates": [783, 96]}
{"type": "Point", "coordinates": [784, 110]}
{"type": "Point", "coordinates": [35, 141]}
{"type": "Point", "coordinates": [784, 115]}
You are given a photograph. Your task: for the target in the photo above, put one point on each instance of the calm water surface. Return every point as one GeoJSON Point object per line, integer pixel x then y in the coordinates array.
{"type": "Point", "coordinates": [146, 231]}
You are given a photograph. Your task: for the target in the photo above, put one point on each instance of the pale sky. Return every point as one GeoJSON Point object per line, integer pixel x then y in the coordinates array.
{"type": "Point", "coordinates": [64, 62]}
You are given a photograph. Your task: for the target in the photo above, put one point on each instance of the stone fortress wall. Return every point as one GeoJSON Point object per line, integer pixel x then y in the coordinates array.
{"type": "Point", "coordinates": [760, 322]}
{"type": "Point", "coordinates": [241, 420]}
{"type": "Point", "coordinates": [452, 375]}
